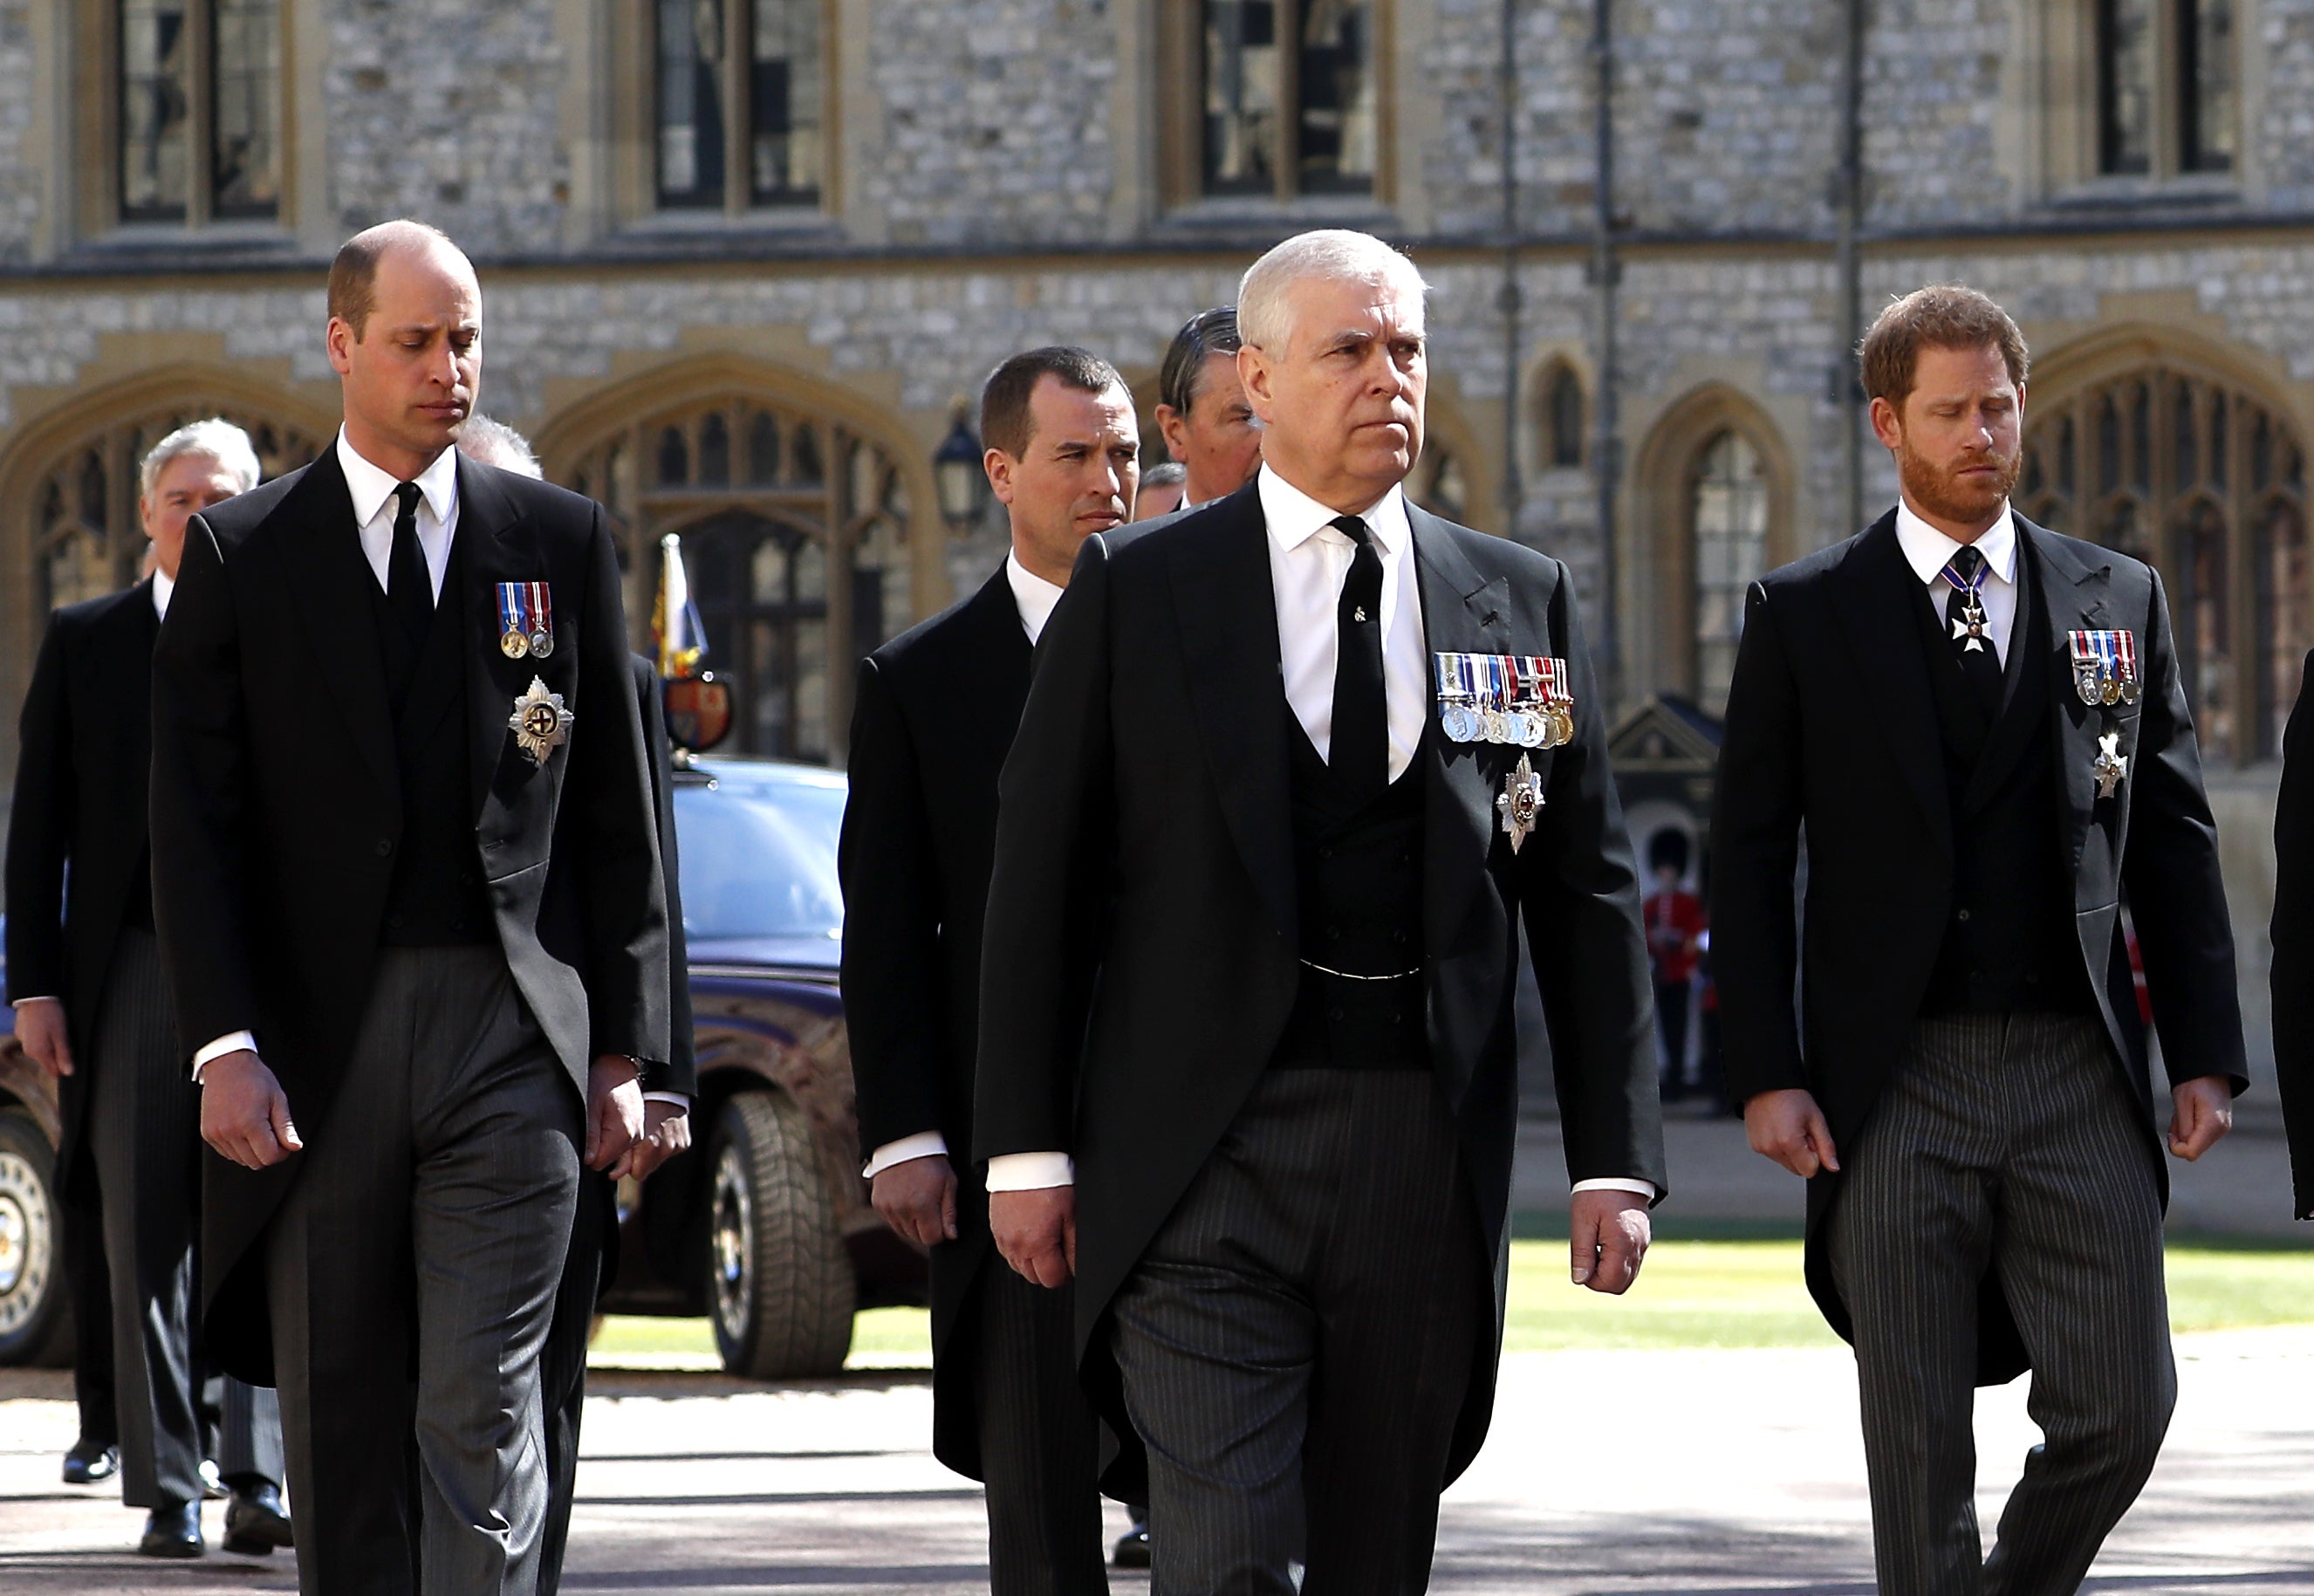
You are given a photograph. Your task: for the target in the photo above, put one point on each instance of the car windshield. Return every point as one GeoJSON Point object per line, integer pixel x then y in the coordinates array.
{"type": "Point", "coordinates": [759, 861]}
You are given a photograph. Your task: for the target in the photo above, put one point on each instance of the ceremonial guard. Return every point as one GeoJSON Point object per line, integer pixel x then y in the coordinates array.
{"type": "Point", "coordinates": [1982, 728]}
{"type": "Point", "coordinates": [934, 716]}
{"type": "Point", "coordinates": [1292, 767]}
{"type": "Point", "coordinates": [84, 978]}
{"type": "Point", "coordinates": [409, 893]}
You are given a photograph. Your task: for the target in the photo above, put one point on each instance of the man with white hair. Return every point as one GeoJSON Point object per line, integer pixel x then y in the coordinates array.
{"type": "Point", "coordinates": [1247, 1070]}
{"type": "Point", "coordinates": [84, 978]}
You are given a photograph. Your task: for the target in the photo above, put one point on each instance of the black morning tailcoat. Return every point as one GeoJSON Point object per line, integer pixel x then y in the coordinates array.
{"type": "Point", "coordinates": [2292, 975]}
{"type": "Point", "coordinates": [77, 843]}
{"type": "Point", "coordinates": [1830, 723]}
{"type": "Point", "coordinates": [1141, 942]}
{"type": "Point", "coordinates": [930, 725]}
{"type": "Point", "coordinates": [277, 809]}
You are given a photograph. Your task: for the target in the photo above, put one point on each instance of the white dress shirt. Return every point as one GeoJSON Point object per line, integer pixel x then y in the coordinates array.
{"type": "Point", "coordinates": [1927, 552]}
{"type": "Point", "coordinates": [371, 489]}
{"type": "Point", "coordinates": [162, 585]}
{"type": "Point", "coordinates": [1309, 560]}
{"type": "Point", "coordinates": [1034, 597]}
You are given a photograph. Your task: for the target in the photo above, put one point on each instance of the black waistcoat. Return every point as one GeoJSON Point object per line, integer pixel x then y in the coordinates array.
{"type": "Point", "coordinates": [1358, 874]}
{"type": "Point", "coordinates": [2009, 945]}
{"type": "Point", "coordinates": [436, 896]}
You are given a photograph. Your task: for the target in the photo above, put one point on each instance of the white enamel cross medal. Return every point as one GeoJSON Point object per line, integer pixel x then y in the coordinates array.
{"type": "Point", "coordinates": [1520, 801]}
{"type": "Point", "coordinates": [540, 723]}
{"type": "Point", "coordinates": [2112, 766]}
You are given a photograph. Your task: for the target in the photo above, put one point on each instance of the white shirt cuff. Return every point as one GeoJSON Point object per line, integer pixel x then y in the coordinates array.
{"type": "Point", "coordinates": [1638, 1188]}
{"type": "Point", "coordinates": [240, 1041]}
{"type": "Point", "coordinates": [923, 1144]}
{"type": "Point", "coordinates": [36, 998]}
{"type": "Point", "coordinates": [677, 1099]}
{"type": "Point", "coordinates": [1031, 1171]}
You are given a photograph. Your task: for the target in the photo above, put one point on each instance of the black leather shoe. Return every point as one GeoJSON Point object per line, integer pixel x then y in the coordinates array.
{"type": "Point", "coordinates": [256, 1523]}
{"type": "Point", "coordinates": [173, 1532]}
{"type": "Point", "coordinates": [89, 1464]}
{"type": "Point", "coordinates": [1133, 1547]}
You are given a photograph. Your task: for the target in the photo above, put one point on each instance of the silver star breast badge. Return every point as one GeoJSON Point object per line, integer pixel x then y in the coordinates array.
{"type": "Point", "coordinates": [2112, 766]}
{"type": "Point", "coordinates": [540, 723]}
{"type": "Point", "coordinates": [1520, 802]}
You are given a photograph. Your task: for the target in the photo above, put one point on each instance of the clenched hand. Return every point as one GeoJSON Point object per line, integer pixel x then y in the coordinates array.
{"type": "Point", "coordinates": [245, 1112]}
{"type": "Point", "coordinates": [1790, 1128]}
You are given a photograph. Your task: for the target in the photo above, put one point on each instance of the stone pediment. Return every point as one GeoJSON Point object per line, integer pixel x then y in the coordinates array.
{"type": "Point", "coordinates": [1664, 735]}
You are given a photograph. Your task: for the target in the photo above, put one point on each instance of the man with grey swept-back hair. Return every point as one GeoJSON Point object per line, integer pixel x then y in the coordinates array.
{"type": "Point", "coordinates": [1248, 1063]}
{"type": "Point", "coordinates": [1209, 429]}
{"type": "Point", "coordinates": [84, 978]}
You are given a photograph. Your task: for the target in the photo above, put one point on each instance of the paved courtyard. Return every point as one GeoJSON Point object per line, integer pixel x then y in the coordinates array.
{"type": "Point", "coordinates": [1637, 1473]}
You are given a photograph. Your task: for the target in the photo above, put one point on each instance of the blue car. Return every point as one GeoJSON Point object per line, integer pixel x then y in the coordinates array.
{"type": "Point", "coordinates": [764, 1226]}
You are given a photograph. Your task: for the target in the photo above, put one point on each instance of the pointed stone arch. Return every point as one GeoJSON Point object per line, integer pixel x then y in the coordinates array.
{"type": "Point", "coordinates": [2183, 452]}
{"type": "Point", "coordinates": [811, 522]}
{"type": "Point", "coordinates": [1695, 541]}
{"type": "Point", "coordinates": [68, 523]}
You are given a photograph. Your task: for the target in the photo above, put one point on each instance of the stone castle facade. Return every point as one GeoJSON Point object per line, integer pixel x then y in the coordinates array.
{"type": "Point", "coordinates": [750, 322]}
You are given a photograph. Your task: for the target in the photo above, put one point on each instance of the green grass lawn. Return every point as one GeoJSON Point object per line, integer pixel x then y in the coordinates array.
{"type": "Point", "coordinates": [1691, 1294]}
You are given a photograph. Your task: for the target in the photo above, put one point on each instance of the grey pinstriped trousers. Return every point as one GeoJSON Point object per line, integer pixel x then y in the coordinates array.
{"type": "Point", "coordinates": [144, 1134]}
{"type": "Point", "coordinates": [2007, 1143]}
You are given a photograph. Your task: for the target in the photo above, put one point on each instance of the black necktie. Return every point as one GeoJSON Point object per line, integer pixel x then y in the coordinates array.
{"type": "Point", "coordinates": [1360, 754]}
{"type": "Point", "coordinates": [409, 590]}
{"type": "Point", "coordinates": [1965, 625]}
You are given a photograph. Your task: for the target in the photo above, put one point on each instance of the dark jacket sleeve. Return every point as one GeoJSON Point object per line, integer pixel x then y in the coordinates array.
{"type": "Point", "coordinates": [622, 891]}
{"type": "Point", "coordinates": [1056, 849]}
{"type": "Point", "coordinates": [41, 830]}
{"type": "Point", "coordinates": [199, 801]}
{"type": "Point", "coordinates": [1756, 832]}
{"type": "Point", "coordinates": [892, 999]}
{"type": "Point", "coordinates": [2293, 944]}
{"type": "Point", "coordinates": [680, 1072]}
{"type": "Point", "coordinates": [1578, 889]}
{"type": "Point", "coordinates": [2176, 894]}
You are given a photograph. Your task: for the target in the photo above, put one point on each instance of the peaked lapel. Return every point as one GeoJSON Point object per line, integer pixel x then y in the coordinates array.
{"type": "Point", "coordinates": [331, 581]}
{"type": "Point", "coordinates": [1227, 611]}
{"type": "Point", "coordinates": [993, 690]}
{"type": "Point", "coordinates": [1877, 606]}
{"type": "Point", "coordinates": [1463, 612]}
{"type": "Point", "coordinates": [2073, 593]}
{"type": "Point", "coordinates": [494, 537]}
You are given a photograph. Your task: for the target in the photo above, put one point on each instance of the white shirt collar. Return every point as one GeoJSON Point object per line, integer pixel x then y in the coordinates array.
{"type": "Point", "coordinates": [1293, 518]}
{"type": "Point", "coordinates": [1927, 551]}
{"type": "Point", "coordinates": [1032, 594]}
{"type": "Point", "coordinates": [371, 487]}
{"type": "Point", "coordinates": [163, 584]}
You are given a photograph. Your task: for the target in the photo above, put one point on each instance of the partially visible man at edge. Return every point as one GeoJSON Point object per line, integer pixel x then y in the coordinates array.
{"type": "Point", "coordinates": [936, 714]}
{"type": "Point", "coordinates": [84, 979]}
{"type": "Point", "coordinates": [455, 968]}
{"type": "Point", "coordinates": [1208, 426]}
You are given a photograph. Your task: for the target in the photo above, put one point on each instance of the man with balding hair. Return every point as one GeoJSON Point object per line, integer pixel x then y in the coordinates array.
{"type": "Point", "coordinates": [410, 911]}
{"type": "Point", "coordinates": [1248, 1069]}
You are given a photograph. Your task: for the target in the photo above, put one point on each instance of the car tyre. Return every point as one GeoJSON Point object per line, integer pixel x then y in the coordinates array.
{"type": "Point", "coordinates": [780, 1289]}
{"type": "Point", "coordinates": [35, 1305]}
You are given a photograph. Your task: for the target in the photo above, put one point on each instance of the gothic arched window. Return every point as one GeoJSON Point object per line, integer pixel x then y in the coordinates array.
{"type": "Point", "coordinates": [2204, 480]}
{"type": "Point", "coordinates": [1728, 514]}
{"type": "Point", "coordinates": [1562, 419]}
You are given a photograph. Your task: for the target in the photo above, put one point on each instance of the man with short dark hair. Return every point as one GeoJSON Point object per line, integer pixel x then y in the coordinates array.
{"type": "Point", "coordinates": [408, 885]}
{"type": "Point", "coordinates": [1160, 491]}
{"type": "Point", "coordinates": [84, 978]}
{"type": "Point", "coordinates": [1202, 411]}
{"type": "Point", "coordinates": [934, 716]}
{"type": "Point", "coordinates": [1982, 728]}
{"type": "Point", "coordinates": [1248, 1065]}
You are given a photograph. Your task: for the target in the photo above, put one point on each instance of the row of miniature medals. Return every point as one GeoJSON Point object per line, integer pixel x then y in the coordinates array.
{"type": "Point", "coordinates": [526, 619]}
{"type": "Point", "coordinates": [1522, 700]}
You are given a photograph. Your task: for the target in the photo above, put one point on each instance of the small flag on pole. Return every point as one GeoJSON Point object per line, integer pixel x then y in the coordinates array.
{"type": "Point", "coordinates": [674, 618]}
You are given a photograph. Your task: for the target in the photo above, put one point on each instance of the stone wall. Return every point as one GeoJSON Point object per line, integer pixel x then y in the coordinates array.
{"type": "Point", "coordinates": [20, 183]}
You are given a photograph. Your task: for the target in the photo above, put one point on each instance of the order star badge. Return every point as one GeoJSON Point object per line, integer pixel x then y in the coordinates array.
{"type": "Point", "coordinates": [2112, 765]}
{"type": "Point", "coordinates": [1520, 801]}
{"type": "Point", "coordinates": [540, 723]}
